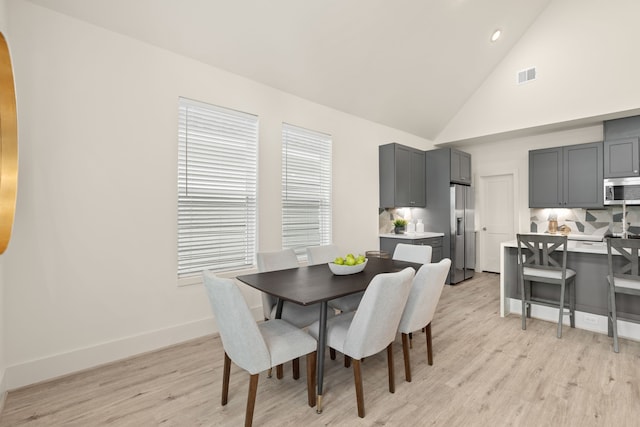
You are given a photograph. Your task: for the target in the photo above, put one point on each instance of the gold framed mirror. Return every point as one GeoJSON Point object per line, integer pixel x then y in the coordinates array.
{"type": "Point", "coordinates": [8, 146]}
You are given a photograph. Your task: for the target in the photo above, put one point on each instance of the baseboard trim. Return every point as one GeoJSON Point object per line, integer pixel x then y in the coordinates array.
{"type": "Point", "coordinates": [47, 368]}
{"type": "Point", "coordinates": [3, 391]}
{"type": "Point", "coordinates": [589, 321]}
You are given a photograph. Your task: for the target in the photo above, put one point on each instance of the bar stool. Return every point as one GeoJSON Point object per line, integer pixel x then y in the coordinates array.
{"type": "Point", "coordinates": [622, 280]}
{"type": "Point", "coordinates": [535, 264]}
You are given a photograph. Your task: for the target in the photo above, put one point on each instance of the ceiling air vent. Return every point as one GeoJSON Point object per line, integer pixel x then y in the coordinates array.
{"type": "Point", "coordinates": [526, 75]}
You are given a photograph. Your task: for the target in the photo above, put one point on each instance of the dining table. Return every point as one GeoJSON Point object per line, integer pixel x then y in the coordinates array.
{"type": "Point", "coordinates": [307, 285]}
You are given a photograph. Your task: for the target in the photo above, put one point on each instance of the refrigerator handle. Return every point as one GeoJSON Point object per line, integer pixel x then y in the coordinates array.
{"type": "Point", "coordinates": [459, 226]}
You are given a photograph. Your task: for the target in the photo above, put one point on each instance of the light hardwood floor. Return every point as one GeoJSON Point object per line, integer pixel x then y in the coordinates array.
{"type": "Point", "coordinates": [486, 372]}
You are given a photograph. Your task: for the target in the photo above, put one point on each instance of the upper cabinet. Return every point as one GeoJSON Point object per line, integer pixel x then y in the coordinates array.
{"type": "Point", "coordinates": [402, 176]}
{"type": "Point", "coordinates": [460, 167]}
{"type": "Point", "coordinates": [621, 158]}
{"type": "Point", "coordinates": [566, 177]}
{"type": "Point", "coordinates": [621, 150]}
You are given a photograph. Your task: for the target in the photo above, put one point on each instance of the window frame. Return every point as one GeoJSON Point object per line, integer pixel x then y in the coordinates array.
{"type": "Point", "coordinates": [302, 149]}
{"type": "Point", "coordinates": [217, 200]}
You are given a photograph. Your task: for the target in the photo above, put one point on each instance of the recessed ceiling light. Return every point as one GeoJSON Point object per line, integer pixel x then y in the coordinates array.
{"type": "Point", "coordinates": [496, 35]}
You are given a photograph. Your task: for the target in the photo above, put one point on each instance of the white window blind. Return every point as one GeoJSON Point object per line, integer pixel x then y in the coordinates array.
{"type": "Point", "coordinates": [217, 162]}
{"type": "Point", "coordinates": [306, 188]}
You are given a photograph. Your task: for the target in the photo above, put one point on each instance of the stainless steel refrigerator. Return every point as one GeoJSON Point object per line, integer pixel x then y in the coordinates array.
{"type": "Point", "coordinates": [462, 238]}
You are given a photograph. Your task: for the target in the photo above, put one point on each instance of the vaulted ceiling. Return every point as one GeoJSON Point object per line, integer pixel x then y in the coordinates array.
{"type": "Point", "coordinates": [408, 64]}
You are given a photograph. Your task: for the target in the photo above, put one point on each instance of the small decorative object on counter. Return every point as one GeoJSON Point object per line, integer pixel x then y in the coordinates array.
{"type": "Point", "coordinates": [411, 227]}
{"type": "Point", "coordinates": [564, 230]}
{"type": "Point", "coordinates": [553, 223]}
{"type": "Point", "coordinates": [400, 225]}
{"type": "Point", "coordinates": [419, 226]}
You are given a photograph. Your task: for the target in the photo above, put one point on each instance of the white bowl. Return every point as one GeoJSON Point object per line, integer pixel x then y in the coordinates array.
{"type": "Point", "coordinates": [342, 270]}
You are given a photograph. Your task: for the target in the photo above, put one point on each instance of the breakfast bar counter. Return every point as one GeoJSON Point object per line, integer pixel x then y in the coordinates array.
{"type": "Point", "coordinates": [589, 260]}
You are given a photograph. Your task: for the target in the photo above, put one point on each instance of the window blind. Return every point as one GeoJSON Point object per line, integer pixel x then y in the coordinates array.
{"type": "Point", "coordinates": [217, 162]}
{"type": "Point", "coordinates": [306, 188]}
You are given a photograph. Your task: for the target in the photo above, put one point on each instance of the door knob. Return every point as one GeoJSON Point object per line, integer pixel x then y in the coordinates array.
{"type": "Point", "coordinates": [484, 228]}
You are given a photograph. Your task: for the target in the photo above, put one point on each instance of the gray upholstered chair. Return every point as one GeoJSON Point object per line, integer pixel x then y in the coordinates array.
{"type": "Point", "coordinates": [255, 347]}
{"type": "Point", "coordinates": [421, 307]}
{"type": "Point", "coordinates": [623, 278]}
{"type": "Point", "coordinates": [372, 327]}
{"type": "Point", "coordinates": [537, 264]}
{"type": "Point", "coordinates": [420, 254]}
{"type": "Point", "coordinates": [297, 315]}
{"type": "Point", "coordinates": [324, 254]}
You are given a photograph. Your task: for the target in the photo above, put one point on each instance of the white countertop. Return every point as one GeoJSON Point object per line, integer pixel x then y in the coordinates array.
{"type": "Point", "coordinates": [412, 236]}
{"type": "Point", "coordinates": [574, 246]}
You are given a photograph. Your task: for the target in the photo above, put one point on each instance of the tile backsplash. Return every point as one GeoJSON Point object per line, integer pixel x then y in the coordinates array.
{"type": "Point", "coordinates": [583, 221]}
{"type": "Point", "coordinates": [587, 221]}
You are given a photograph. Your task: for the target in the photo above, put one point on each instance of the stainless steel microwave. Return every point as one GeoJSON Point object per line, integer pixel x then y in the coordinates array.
{"type": "Point", "coordinates": [619, 190]}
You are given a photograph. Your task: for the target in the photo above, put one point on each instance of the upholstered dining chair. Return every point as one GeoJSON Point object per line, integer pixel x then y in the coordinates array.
{"type": "Point", "coordinates": [623, 278]}
{"type": "Point", "coordinates": [324, 254]}
{"type": "Point", "coordinates": [536, 264]}
{"type": "Point", "coordinates": [372, 327]}
{"type": "Point", "coordinates": [255, 347]}
{"type": "Point", "coordinates": [421, 307]}
{"type": "Point", "coordinates": [420, 254]}
{"type": "Point", "coordinates": [297, 315]}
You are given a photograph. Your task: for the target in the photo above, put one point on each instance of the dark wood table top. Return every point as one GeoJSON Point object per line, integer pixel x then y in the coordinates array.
{"type": "Point", "coordinates": [316, 283]}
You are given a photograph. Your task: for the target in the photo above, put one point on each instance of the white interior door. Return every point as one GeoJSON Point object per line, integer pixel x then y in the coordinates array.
{"type": "Point", "coordinates": [497, 218]}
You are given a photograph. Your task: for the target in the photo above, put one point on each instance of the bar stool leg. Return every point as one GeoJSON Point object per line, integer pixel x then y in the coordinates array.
{"type": "Point", "coordinates": [572, 302]}
{"type": "Point", "coordinates": [561, 315]}
{"type": "Point", "coordinates": [524, 304]}
{"type": "Point", "coordinates": [614, 318]}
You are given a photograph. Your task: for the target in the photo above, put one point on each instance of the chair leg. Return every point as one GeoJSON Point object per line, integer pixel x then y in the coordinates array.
{"type": "Point", "coordinates": [610, 323]}
{"type": "Point", "coordinates": [407, 361]}
{"type": "Point", "coordinates": [225, 379]}
{"type": "Point", "coordinates": [392, 375]}
{"type": "Point", "coordinates": [429, 346]}
{"type": "Point", "coordinates": [251, 399]}
{"type": "Point", "coordinates": [561, 315]}
{"type": "Point", "coordinates": [357, 378]}
{"type": "Point", "coordinates": [347, 361]}
{"type": "Point", "coordinates": [572, 303]}
{"type": "Point", "coordinates": [311, 378]}
{"type": "Point", "coordinates": [524, 305]}
{"type": "Point", "coordinates": [296, 368]}
{"type": "Point", "coordinates": [614, 318]}
{"type": "Point", "coordinates": [410, 339]}
{"type": "Point", "coordinates": [332, 353]}
{"type": "Point", "coordinates": [279, 372]}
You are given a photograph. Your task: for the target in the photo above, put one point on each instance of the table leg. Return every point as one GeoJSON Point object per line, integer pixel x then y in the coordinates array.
{"type": "Point", "coordinates": [279, 308]}
{"type": "Point", "coordinates": [322, 337]}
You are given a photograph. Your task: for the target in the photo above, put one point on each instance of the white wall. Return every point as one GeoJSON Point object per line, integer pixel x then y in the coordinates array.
{"type": "Point", "coordinates": [4, 28]}
{"type": "Point", "coordinates": [91, 271]}
{"type": "Point", "coordinates": [585, 55]}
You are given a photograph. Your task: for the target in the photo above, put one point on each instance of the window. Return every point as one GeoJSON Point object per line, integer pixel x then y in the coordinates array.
{"type": "Point", "coordinates": [217, 162]}
{"type": "Point", "coordinates": [306, 188]}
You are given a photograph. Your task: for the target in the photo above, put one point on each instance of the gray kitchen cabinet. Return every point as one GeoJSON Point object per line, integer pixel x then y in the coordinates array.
{"type": "Point", "coordinates": [621, 157]}
{"type": "Point", "coordinates": [460, 167]}
{"type": "Point", "coordinates": [545, 178]}
{"type": "Point", "coordinates": [567, 177]}
{"type": "Point", "coordinates": [388, 244]}
{"type": "Point", "coordinates": [402, 176]}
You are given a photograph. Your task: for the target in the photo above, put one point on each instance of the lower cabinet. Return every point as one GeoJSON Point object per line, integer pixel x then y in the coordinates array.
{"type": "Point", "coordinates": [388, 244]}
